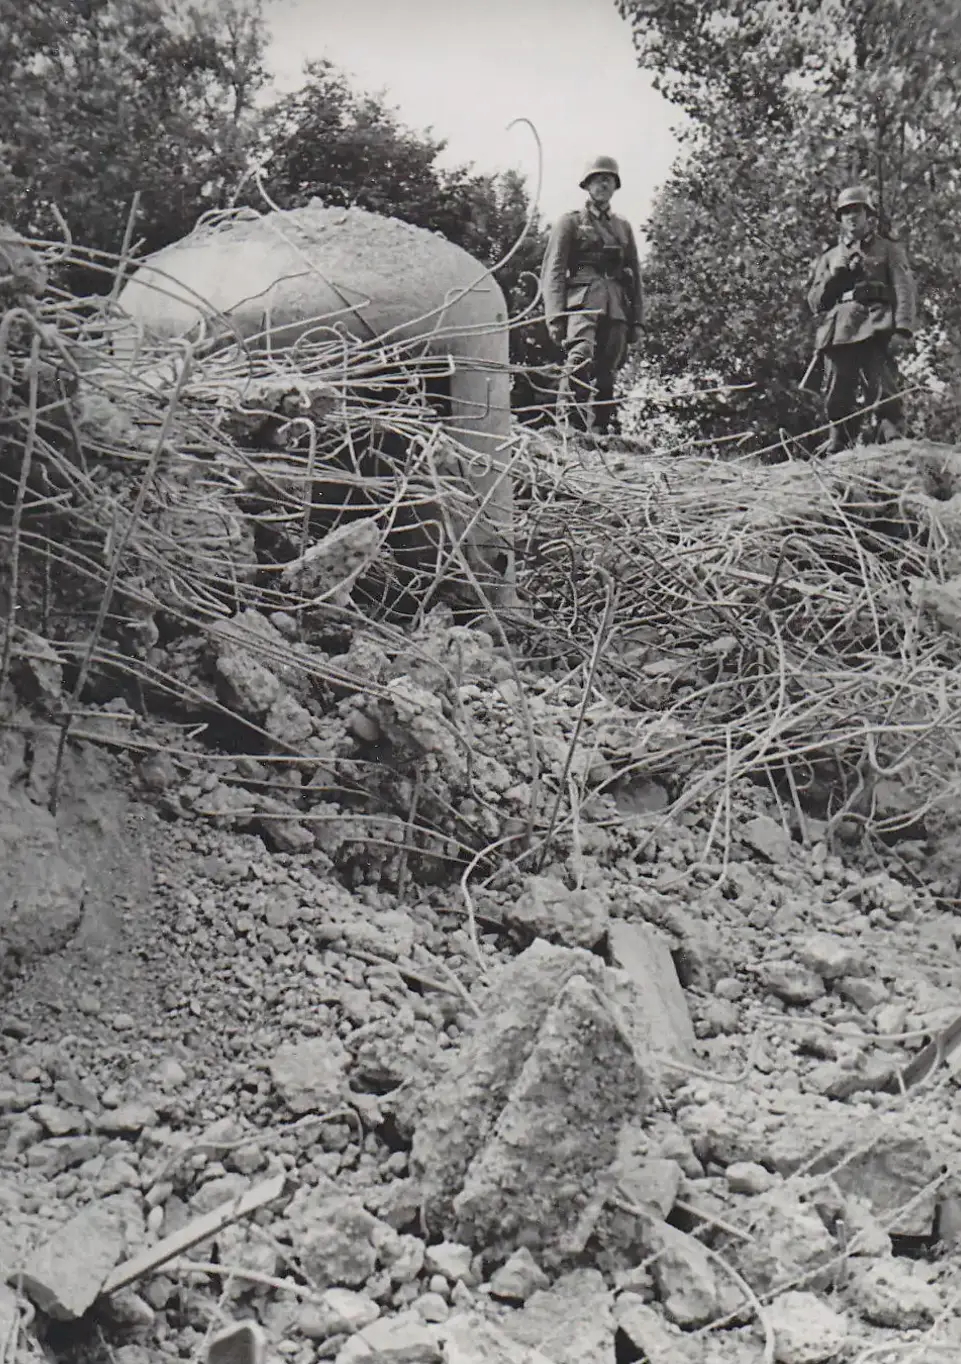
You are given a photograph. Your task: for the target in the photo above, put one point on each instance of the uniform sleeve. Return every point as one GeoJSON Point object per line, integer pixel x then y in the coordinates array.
{"type": "Point", "coordinates": [633, 263]}
{"type": "Point", "coordinates": [905, 291]}
{"type": "Point", "coordinates": [554, 267]}
{"type": "Point", "coordinates": [827, 284]}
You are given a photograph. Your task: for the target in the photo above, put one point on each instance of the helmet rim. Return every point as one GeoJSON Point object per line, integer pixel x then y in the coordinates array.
{"type": "Point", "coordinates": [601, 165]}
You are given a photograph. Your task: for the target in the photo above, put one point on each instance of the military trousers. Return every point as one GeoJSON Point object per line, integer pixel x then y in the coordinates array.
{"type": "Point", "coordinates": [595, 349]}
{"type": "Point", "coordinates": [859, 375]}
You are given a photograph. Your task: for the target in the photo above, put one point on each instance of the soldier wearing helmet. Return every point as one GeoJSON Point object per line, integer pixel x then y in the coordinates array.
{"type": "Point", "coordinates": [862, 293]}
{"type": "Point", "coordinates": [591, 281]}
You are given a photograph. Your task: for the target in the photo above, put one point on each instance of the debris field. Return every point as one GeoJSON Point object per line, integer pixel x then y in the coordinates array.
{"type": "Point", "coordinates": [425, 982]}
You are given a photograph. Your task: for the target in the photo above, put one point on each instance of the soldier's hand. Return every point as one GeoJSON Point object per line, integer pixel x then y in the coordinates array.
{"type": "Point", "coordinates": [898, 342]}
{"type": "Point", "coordinates": [558, 331]}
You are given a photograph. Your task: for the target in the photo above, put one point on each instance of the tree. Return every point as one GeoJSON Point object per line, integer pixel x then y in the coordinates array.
{"type": "Point", "coordinates": [791, 100]}
{"type": "Point", "coordinates": [328, 141]}
{"type": "Point", "coordinates": [104, 99]}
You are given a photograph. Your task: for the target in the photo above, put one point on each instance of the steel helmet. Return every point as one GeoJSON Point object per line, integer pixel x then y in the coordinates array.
{"type": "Point", "coordinates": [601, 165]}
{"type": "Point", "coordinates": [855, 194]}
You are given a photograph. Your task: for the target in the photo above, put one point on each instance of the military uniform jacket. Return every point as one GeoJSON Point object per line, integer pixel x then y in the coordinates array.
{"type": "Point", "coordinates": [880, 298]}
{"type": "Point", "coordinates": [587, 257]}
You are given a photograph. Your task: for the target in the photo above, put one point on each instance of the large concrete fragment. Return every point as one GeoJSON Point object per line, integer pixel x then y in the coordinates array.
{"type": "Point", "coordinates": [691, 1288]}
{"type": "Point", "coordinates": [469, 1338]}
{"type": "Point", "coordinates": [890, 1163]}
{"type": "Point", "coordinates": [541, 1179]}
{"type": "Point", "coordinates": [648, 1335]}
{"type": "Point", "coordinates": [470, 1097]}
{"type": "Point", "coordinates": [309, 1076]}
{"type": "Point", "coordinates": [546, 908]}
{"type": "Point", "coordinates": [571, 1323]}
{"type": "Point", "coordinates": [787, 1242]}
{"type": "Point", "coordinates": [806, 1330]}
{"type": "Point", "coordinates": [644, 954]}
{"type": "Point", "coordinates": [518, 1143]}
{"type": "Point", "coordinates": [64, 1276]}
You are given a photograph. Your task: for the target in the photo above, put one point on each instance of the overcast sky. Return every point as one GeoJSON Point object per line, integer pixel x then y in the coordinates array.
{"type": "Point", "coordinates": [466, 68]}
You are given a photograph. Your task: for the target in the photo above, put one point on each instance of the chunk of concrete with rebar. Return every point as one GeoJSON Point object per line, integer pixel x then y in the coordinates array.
{"type": "Point", "coordinates": [519, 1138]}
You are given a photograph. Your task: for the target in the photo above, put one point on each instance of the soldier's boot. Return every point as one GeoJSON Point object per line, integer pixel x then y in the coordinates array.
{"type": "Point", "coordinates": [834, 444]}
{"type": "Point", "coordinates": [605, 408]}
{"type": "Point", "coordinates": [575, 394]}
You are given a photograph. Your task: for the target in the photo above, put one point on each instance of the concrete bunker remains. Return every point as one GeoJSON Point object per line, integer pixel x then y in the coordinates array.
{"type": "Point", "coordinates": [315, 295]}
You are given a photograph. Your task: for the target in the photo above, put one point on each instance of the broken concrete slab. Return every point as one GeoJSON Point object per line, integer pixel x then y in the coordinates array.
{"type": "Point", "coordinates": [747, 1177]}
{"type": "Point", "coordinates": [328, 569]}
{"type": "Point", "coordinates": [469, 1338]}
{"type": "Point", "coordinates": [644, 954]}
{"type": "Point", "coordinates": [64, 1276]}
{"type": "Point", "coordinates": [650, 1182]}
{"type": "Point", "coordinates": [889, 1163]}
{"type": "Point", "coordinates": [788, 1241]}
{"type": "Point", "coordinates": [467, 1099]}
{"type": "Point", "coordinates": [894, 1293]}
{"type": "Point", "coordinates": [572, 1322]}
{"type": "Point", "coordinates": [340, 1311]}
{"type": "Point", "coordinates": [36, 669]}
{"type": "Point", "coordinates": [692, 1290]}
{"type": "Point", "coordinates": [404, 1339]}
{"type": "Point", "coordinates": [310, 1076]}
{"type": "Point", "coordinates": [245, 684]}
{"type": "Point", "coordinates": [769, 838]}
{"type": "Point", "coordinates": [806, 1330]}
{"type": "Point", "coordinates": [337, 1250]}
{"type": "Point", "coordinates": [41, 887]}
{"type": "Point", "coordinates": [541, 1178]}
{"type": "Point", "coordinates": [791, 982]}
{"type": "Point", "coordinates": [451, 1259]}
{"type": "Point", "coordinates": [864, 1234]}
{"type": "Point", "coordinates": [649, 1334]}
{"type": "Point", "coordinates": [518, 1277]}
{"type": "Point", "coordinates": [546, 909]}
{"type": "Point", "coordinates": [865, 994]}
{"type": "Point", "coordinates": [242, 1342]}
{"type": "Point", "coordinates": [832, 956]}
{"type": "Point", "coordinates": [869, 1074]}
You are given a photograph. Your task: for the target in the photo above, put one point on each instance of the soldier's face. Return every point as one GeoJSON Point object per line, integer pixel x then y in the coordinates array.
{"type": "Point", "coordinates": [854, 220]}
{"type": "Point", "coordinates": [601, 187]}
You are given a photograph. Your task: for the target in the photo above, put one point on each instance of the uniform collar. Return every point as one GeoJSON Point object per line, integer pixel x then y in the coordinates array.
{"type": "Point", "coordinates": [866, 241]}
{"type": "Point", "coordinates": [603, 213]}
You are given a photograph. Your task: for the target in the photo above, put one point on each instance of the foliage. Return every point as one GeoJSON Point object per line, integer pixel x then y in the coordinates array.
{"type": "Point", "coordinates": [104, 99]}
{"type": "Point", "coordinates": [792, 99]}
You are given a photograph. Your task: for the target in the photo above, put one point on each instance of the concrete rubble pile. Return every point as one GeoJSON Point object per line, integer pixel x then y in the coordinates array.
{"type": "Point", "coordinates": [308, 1022]}
{"type": "Point", "coordinates": [579, 1155]}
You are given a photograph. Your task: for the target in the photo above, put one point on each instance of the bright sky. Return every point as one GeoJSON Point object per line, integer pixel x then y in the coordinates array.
{"type": "Point", "coordinates": [466, 68]}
